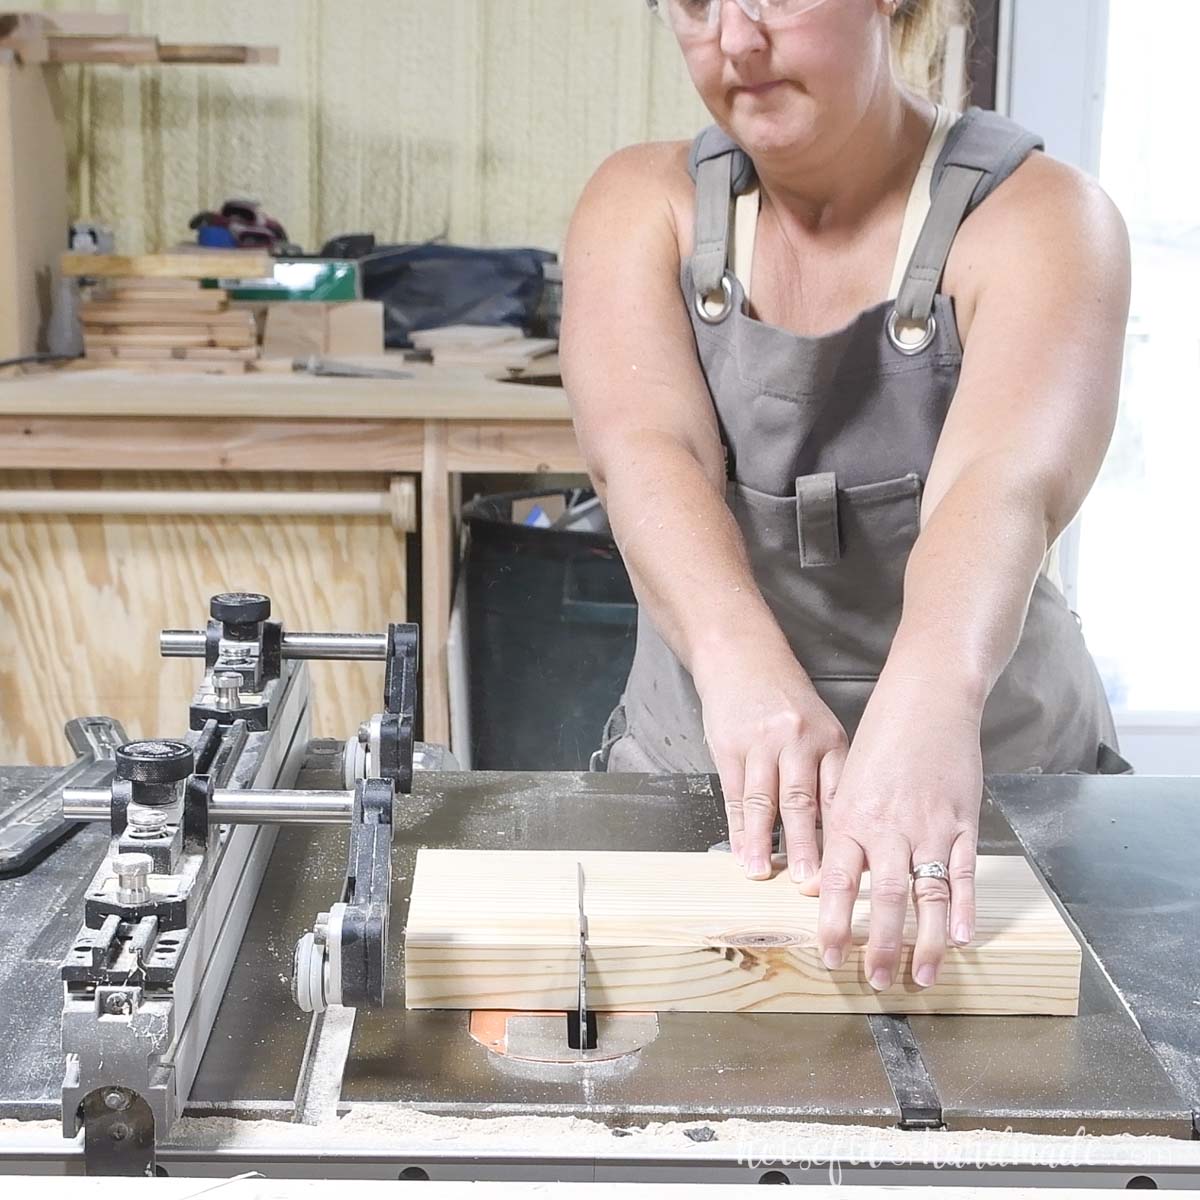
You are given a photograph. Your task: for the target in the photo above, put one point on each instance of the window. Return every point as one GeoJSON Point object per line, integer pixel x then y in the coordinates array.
{"type": "Point", "coordinates": [1110, 85]}
{"type": "Point", "coordinates": [1139, 553]}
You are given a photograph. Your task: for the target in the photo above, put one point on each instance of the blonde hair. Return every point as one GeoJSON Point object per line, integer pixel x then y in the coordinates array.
{"type": "Point", "coordinates": [919, 31]}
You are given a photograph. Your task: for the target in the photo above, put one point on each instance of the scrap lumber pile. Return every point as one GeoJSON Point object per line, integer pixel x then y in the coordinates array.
{"type": "Point", "coordinates": [151, 311]}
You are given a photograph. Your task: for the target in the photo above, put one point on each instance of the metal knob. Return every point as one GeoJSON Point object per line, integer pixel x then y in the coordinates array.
{"type": "Point", "coordinates": [240, 608]}
{"type": "Point", "coordinates": [155, 761]}
{"type": "Point", "coordinates": [133, 877]}
{"type": "Point", "coordinates": [227, 685]}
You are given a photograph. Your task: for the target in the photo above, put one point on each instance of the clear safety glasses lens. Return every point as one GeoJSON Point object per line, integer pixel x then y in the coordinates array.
{"type": "Point", "coordinates": [704, 16]}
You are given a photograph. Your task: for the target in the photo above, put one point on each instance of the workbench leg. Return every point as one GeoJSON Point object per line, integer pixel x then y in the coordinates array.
{"type": "Point", "coordinates": [437, 566]}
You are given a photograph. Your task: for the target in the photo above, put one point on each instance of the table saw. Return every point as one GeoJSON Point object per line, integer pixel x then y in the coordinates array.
{"type": "Point", "coordinates": [201, 972]}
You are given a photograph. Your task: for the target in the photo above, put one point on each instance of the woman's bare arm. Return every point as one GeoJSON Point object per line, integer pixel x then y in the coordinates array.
{"type": "Point", "coordinates": [643, 415]}
{"type": "Point", "coordinates": [1029, 424]}
{"type": "Point", "coordinates": [1044, 268]}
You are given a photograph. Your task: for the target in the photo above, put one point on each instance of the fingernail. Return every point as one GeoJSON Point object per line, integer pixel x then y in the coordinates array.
{"type": "Point", "coordinates": [926, 975]}
{"type": "Point", "coordinates": [758, 868]}
{"type": "Point", "coordinates": [881, 980]}
{"type": "Point", "coordinates": [962, 934]}
{"type": "Point", "coordinates": [803, 871]}
{"type": "Point", "coordinates": [833, 958]}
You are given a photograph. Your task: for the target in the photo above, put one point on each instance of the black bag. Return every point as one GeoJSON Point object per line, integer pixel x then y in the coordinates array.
{"type": "Point", "coordinates": [430, 285]}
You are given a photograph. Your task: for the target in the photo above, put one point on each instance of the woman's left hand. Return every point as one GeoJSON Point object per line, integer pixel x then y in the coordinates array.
{"type": "Point", "coordinates": [909, 794]}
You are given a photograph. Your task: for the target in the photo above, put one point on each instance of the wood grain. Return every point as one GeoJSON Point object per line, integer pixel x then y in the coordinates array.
{"type": "Point", "coordinates": [84, 598]}
{"type": "Point", "coordinates": [689, 933]}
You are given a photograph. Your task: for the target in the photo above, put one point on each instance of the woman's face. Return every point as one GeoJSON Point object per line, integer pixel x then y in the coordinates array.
{"type": "Point", "coordinates": [791, 86]}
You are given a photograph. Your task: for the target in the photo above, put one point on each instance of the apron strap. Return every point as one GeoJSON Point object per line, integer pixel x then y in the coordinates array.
{"type": "Point", "coordinates": [714, 182]}
{"type": "Point", "coordinates": [980, 152]}
{"type": "Point", "coordinates": [817, 520]}
{"type": "Point", "coordinates": [928, 263]}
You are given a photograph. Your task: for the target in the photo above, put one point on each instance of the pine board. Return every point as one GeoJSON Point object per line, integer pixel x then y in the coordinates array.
{"type": "Point", "coordinates": [102, 336]}
{"type": "Point", "coordinates": [106, 313]}
{"type": "Point", "coordinates": [157, 287]}
{"type": "Point", "coordinates": [689, 933]}
{"type": "Point", "coordinates": [118, 355]}
{"type": "Point", "coordinates": [202, 264]}
{"type": "Point", "coordinates": [172, 366]}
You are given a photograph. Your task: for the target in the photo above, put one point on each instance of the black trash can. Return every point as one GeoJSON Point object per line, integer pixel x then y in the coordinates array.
{"type": "Point", "coordinates": [550, 618]}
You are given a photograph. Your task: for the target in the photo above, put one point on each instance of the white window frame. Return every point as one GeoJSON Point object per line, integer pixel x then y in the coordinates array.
{"type": "Point", "coordinates": [1052, 61]}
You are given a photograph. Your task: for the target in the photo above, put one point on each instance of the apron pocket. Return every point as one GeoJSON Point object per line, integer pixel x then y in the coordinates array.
{"type": "Point", "coordinates": [830, 563]}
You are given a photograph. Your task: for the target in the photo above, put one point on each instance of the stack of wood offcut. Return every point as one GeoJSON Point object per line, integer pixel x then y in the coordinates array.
{"type": "Point", "coordinates": [151, 311]}
{"type": "Point", "coordinates": [167, 325]}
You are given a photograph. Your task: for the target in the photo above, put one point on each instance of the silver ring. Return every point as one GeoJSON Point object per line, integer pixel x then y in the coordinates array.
{"type": "Point", "coordinates": [726, 303]}
{"type": "Point", "coordinates": [931, 870]}
{"type": "Point", "coordinates": [910, 348]}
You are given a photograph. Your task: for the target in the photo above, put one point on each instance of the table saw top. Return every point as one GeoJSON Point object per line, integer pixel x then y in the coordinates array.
{"type": "Point", "coordinates": [1119, 853]}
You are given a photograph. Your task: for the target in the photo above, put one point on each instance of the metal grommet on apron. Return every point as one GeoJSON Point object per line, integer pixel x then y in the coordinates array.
{"type": "Point", "coordinates": [928, 333]}
{"type": "Point", "coordinates": [725, 301]}
{"type": "Point", "coordinates": [830, 439]}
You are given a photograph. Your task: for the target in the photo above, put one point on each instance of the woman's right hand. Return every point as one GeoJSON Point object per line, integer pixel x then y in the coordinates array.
{"type": "Point", "coordinates": [778, 750]}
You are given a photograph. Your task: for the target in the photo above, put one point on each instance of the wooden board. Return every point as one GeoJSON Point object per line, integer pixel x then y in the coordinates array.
{"type": "Point", "coordinates": [159, 335]}
{"type": "Point", "coordinates": [33, 206]}
{"type": "Point", "coordinates": [67, 24]}
{"type": "Point", "coordinates": [202, 264]}
{"type": "Point", "coordinates": [98, 38]}
{"type": "Point", "coordinates": [125, 51]}
{"type": "Point", "coordinates": [507, 355]}
{"type": "Point", "coordinates": [303, 328]}
{"type": "Point", "coordinates": [159, 288]}
{"type": "Point", "coordinates": [107, 313]}
{"type": "Point", "coordinates": [462, 336]}
{"type": "Point", "coordinates": [170, 366]}
{"type": "Point", "coordinates": [214, 54]}
{"type": "Point", "coordinates": [83, 598]}
{"type": "Point", "coordinates": [689, 933]}
{"type": "Point", "coordinates": [127, 355]}
{"type": "Point", "coordinates": [451, 393]}
{"type": "Point", "coordinates": [207, 300]}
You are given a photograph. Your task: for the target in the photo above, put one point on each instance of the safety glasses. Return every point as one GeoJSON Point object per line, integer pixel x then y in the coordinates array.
{"type": "Point", "coordinates": [698, 19]}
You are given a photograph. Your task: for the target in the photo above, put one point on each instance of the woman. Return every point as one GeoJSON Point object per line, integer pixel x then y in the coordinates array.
{"type": "Point", "coordinates": [836, 497]}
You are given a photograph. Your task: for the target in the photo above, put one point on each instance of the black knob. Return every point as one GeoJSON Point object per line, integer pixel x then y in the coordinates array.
{"type": "Point", "coordinates": [155, 761]}
{"type": "Point", "coordinates": [240, 608]}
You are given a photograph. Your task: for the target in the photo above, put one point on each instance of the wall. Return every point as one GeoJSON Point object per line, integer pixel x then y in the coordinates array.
{"type": "Point", "coordinates": [479, 120]}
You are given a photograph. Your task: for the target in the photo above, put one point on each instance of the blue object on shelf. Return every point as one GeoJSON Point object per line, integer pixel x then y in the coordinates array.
{"type": "Point", "coordinates": [216, 236]}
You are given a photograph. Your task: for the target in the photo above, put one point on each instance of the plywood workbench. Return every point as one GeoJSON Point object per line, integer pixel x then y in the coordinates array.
{"type": "Point", "coordinates": [437, 425]}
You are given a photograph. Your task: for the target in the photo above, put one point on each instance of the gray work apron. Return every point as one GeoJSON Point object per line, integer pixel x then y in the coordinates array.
{"type": "Point", "coordinates": [828, 441]}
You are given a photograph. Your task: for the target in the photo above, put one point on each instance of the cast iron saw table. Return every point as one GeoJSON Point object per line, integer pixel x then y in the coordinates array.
{"type": "Point", "coordinates": [1118, 853]}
